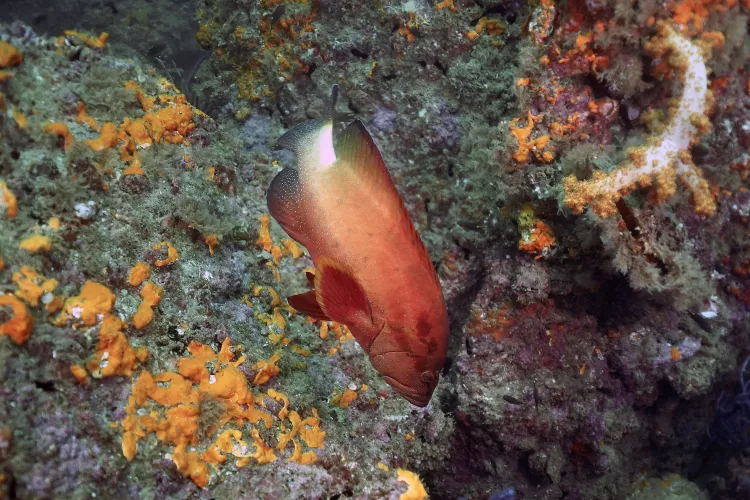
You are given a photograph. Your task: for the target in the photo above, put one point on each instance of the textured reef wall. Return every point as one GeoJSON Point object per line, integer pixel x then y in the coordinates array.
{"type": "Point", "coordinates": [578, 171]}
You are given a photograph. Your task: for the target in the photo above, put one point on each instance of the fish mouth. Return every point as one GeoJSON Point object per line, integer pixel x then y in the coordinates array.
{"type": "Point", "coordinates": [409, 394]}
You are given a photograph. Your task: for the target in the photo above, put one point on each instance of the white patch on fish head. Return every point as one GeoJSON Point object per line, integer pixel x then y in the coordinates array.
{"type": "Point", "coordinates": [324, 146]}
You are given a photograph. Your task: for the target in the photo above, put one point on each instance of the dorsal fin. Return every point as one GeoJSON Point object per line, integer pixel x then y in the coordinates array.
{"type": "Point", "coordinates": [356, 150]}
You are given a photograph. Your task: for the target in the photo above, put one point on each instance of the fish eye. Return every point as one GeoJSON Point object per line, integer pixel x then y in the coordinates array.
{"type": "Point", "coordinates": [427, 377]}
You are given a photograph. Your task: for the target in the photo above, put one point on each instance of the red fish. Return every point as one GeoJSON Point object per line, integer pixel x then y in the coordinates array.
{"type": "Point", "coordinates": [373, 273]}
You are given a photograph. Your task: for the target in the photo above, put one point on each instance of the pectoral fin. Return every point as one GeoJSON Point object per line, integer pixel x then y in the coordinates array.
{"type": "Point", "coordinates": [343, 300]}
{"type": "Point", "coordinates": [306, 303]}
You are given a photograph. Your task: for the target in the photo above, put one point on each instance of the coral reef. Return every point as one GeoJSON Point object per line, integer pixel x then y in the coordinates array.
{"type": "Point", "coordinates": [598, 313]}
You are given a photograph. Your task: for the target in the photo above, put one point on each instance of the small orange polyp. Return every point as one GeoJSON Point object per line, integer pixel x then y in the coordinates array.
{"type": "Point", "coordinates": [264, 235]}
{"type": "Point", "coordinates": [95, 299]}
{"type": "Point", "coordinates": [79, 373]}
{"type": "Point", "coordinates": [675, 353]}
{"type": "Point", "coordinates": [212, 240]}
{"type": "Point", "coordinates": [114, 355]}
{"type": "Point", "coordinates": [266, 369]}
{"type": "Point", "coordinates": [139, 273]}
{"type": "Point", "coordinates": [344, 399]}
{"type": "Point", "coordinates": [83, 117]}
{"type": "Point", "coordinates": [94, 42]}
{"type": "Point", "coordinates": [20, 119]}
{"type": "Point", "coordinates": [9, 55]}
{"type": "Point", "coordinates": [8, 201]}
{"type": "Point", "coordinates": [172, 254]}
{"type": "Point", "coordinates": [32, 285]}
{"type": "Point", "coordinates": [19, 327]}
{"type": "Point", "coordinates": [107, 140]}
{"type": "Point", "coordinates": [151, 294]}
{"type": "Point", "coordinates": [37, 243]}
{"type": "Point", "coordinates": [61, 130]}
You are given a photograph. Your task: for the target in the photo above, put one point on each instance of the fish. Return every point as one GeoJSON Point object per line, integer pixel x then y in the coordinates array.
{"type": "Point", "coordinates": [372, 271]}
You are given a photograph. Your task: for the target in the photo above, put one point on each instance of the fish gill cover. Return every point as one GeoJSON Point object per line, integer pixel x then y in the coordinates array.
{"type": "Point", "coordinates": [578, 172]}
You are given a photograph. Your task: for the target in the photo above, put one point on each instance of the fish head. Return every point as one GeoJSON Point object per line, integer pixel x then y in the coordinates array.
{"type": "Point", "coordinates": [409, 375]}
{"type": "Point", "coordinates": [409, 364]}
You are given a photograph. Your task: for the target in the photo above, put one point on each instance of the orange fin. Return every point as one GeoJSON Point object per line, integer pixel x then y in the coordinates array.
{"type": "Point", "coordinates": [355, 149]}
{"type": "Point", "coordinates": [310, 278]}
{"type": "Point", "coordinates": [306, 303]}
{"type": "Point", "coordinates": [284, 201]}
{"type": "Point", "coordinates": [343, 300]}
{"type": "Point", "coordinates": [357, 152]}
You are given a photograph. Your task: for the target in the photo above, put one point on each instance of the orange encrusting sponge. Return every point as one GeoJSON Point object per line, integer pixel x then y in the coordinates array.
{"type": "Point", "coordinates": [169, 405]}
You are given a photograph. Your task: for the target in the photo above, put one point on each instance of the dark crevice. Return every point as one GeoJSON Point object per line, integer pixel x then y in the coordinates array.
{"type": "Point", "coordinates": [624, 118]}
{"type": "Point", "coordinates": [598, 88]}
{"type": "Point", "coordinates": [631, 223]}
{"type": "Point", "coordinates": [531, 476]}
{"type": "Point", "coordinates": [512, 400]}
{"type": "Point", "coordinates": [495, 9]}
{"type": "Point", "coordinates": [447, 366]}
{"type": "Point", "coordinates": [45, 385]}
{"type": "Point", "coordinates": [610, 298]}
{"type": "Point", "coordinates": [629, 218]}
{"type": "Point", "coordinates": [360, 54]}
{"type": "Point", "coordinates": [12, 493]}
{"type": "Point", "coordinates": [498, 10]}
{"type": "Point", "coordinates": [112, 7]}
{"type": "Point", "coordinates": [459, 311]}
{"type": "Point", "coordinates": [277, 14]}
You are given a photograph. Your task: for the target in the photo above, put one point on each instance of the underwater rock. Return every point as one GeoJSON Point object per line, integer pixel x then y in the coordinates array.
{"type": "Point", "coordinates": [585, 353]}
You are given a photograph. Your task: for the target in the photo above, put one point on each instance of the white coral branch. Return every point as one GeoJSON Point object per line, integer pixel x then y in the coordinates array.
{"type": "Point", "coordinates": [668, 155]}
